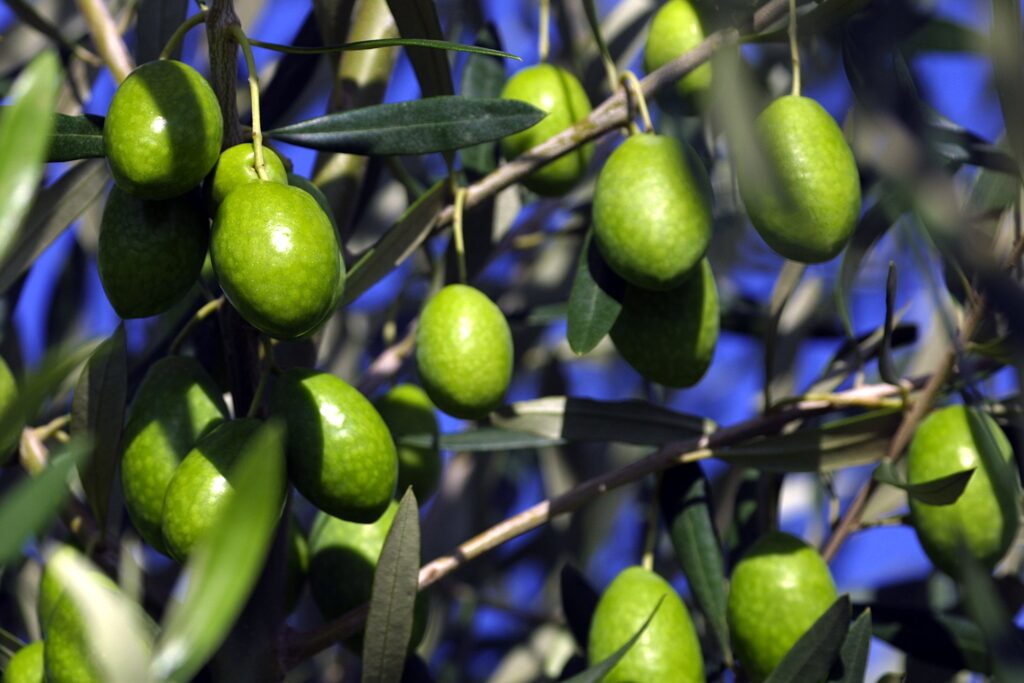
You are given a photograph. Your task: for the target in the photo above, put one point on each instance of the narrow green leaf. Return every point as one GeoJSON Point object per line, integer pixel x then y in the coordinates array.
{"type": "Point", "coordinates": [482, 440]}
{"type": "Point", "coordinates": [400, 241]}
{"type": "Point", "coordinates": [395, 583]}
{"type": "Point", "coordinates": [841, 443]}
{"type": "Point", "coordinates": [811, 658]}
{"type": "Point", "coordinates": [225, 565]}
{"type": "Point", "coordinates": [943, 35]}
{"type": "Point", "coordinates": [1002, 474]}
{"type": "Point", "coordinates": [30, 506]}
{"type": "Point", "coordinates": [594, 302]}
{"type": "Point", "coordinates": [597, 672]}
{"type": "Point", "coordinates": [1007, 49]}
{"type": "Point", "coordinates": [76, 137]}
{"type": "Point", "coordinates": [943, 639]}
{"type": "Point", "coordinates": [386, 42]}
{"type": "Point", "coordinates": [435, 124]}
{"type": "Point", "coordinates": [24, 136]}
{"type": "Point", "coordinates": [418, 19]}
{"type": "Point", "coordinates": [685, 500]}
{"type": "Point", "coordinates": [590, 8]}
{"type": "Point", "coordinates": [988, 610]}
{"type": "Point", "coordinates": [584, 419]}
{"type": "Point", "coordinates": [787, 282]}
{"type": "Point", "coordinates": [57, 207]}
{"type": "Point", "coordinates": [116, 630]}
{"type": "Point", "coordinates": [853, 656]}
{"type": "Point", "coordinates": [157, 21]}
{"type": "Point", "coordinates": [942, 491]}
{"type": "Point", "coordinates": [579, 600]}
{"type": "Point", "coordinates": [482, 76]}
{"type": "Point", "coordinates": [97, 409]}
{"type": "Point", "coordinates": [886, 368]}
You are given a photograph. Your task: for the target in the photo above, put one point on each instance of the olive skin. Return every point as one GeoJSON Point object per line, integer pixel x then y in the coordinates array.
{"type": "Point", "coordinates": [163, 130]}
{"type": "Point", "coordinates": [174, 406]}
{"type": "Point", "coordinates": [813, 216]}
{"type": "Point", "coordinates": [558, 93]}
{"type": "Point", "coordinates": [951, 440]}
{"type": "Point", "coordinates": [670, 337]}
{"type": "Point", "coordinates": [407, 410]}
{"type": "Point", "coordinates": [652, 213]}
{"type": "Point", "coordinates": [170, 237]}
{"type": "Point", "coordinates": [340, 453]}
{"type": "Point", "coordinates": [777, 591]}
{"type": "Point", "coordinates": [277, 257]}
{"type": "Point", "coordinates": [676, 29]}
{"type": "Point", "coordinates": [202, 485]}
{"type": "Point", "coordinates": [237, 166]}
{"type": "Point", "coordinates": [667, 652]}
{"type": "Point", "coordinates": [26, 666]}
{"type": "Point", "coordinates": [8, 403]}
{"type": "Point", "coordinates": [464, 352]}
{"type": "Point", "coordinates": [342, 559]}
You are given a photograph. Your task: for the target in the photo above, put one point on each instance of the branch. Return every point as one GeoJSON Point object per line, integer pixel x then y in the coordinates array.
{"type": "Point", "coordinates": [107, 39]}
{"type": "Point", "coordinates": [299, 646]}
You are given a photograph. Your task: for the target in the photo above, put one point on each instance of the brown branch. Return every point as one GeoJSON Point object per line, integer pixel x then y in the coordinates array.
{"type": "Point", "coordinates": [299, 646]}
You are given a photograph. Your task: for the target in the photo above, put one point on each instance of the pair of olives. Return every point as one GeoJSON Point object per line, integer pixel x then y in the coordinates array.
{"type": "Point", "coordinates": [777, 591]}
{"type": "Point", "coordinates": [274, 247]}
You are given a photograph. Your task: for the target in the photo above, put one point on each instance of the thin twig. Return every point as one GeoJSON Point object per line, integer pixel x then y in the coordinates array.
{"type": "Point", "coordinates": [107, 39]}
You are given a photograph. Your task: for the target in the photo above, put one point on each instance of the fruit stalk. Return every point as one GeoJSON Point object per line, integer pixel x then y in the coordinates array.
{"type": "Point", "coordinates": [543, 28]}
{"type": "Point", "coordinates": [254, 99]}
{"type": "Point", "coordinates": [179, 33]}
{"type": "Point", "coordinates": [794, 49]}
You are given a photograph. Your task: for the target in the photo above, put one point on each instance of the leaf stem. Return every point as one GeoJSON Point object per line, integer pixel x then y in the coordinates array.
{"type": "Point", "coordinates": [179, 33]}
{"type": "Point", "coordinates": [543, 29]}
{"type": "Point", "coordinates": [254, 97]}
{"type": "Point", "coordinates": [460, 244]}
{"type": "Point", "coordinates": [635, 98]}
{"type": "Point", "coordinates": [794, 50]}
{"type": "Point", "coordinates": [267, 349]}
{"type": "Point", "coordinates": [651, 529]}
{"type": "Point", "coordinates": [202, 314]}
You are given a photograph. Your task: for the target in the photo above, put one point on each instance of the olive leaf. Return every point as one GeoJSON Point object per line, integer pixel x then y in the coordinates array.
{"type": "Point", "coordinates": [482, 440]}
{"type": "Point", "coordinates": [945, 640]}
{"type": "Point", "coordinates": [418, 19]}
{"type": "Point", "coordinates": [598, 671]}
{"type": "Point", "coordinates": [76, 137]}
{"type": "Point", "coordinates": [853, 655]}
{"type": "Point", "coordinates": [988, 610]}
{"type": "Point", "coordinates": [812, 656]}
{"type": "Point", "coordinates": [942, 491]}
{"type": "Point", "coordinates": [595, 300]}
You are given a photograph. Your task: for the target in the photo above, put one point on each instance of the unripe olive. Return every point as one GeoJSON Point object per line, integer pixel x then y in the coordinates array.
{"type": "Point", "coordinates": [670, 337]}
{"type": "Point", "coordinates": [652, 213]}
{"type": "Point", "coordinates": [26, 666]}
{"type": "Point", "coordinates": [778, 590]}
{"type": "Point", "coordinates": [407, 410]}
{"type": "Point", "coordinates": [668, 650]}
{"type": "Point", "coordinates": [675, 30]}
{"type": "Point", "coordinates": [809, 213]}
{"type": "Point", "coordinates": [984, 518]}
{"type": "Point", "coordinates": [237, 166]}
{"type": "Point", "coordinates": [176, 403]}
{"type": "Point", "coordinates": [150, 252]}
{"type": "Point", "coordinates": [464, 352]}
{"type": "Point", "coordinates": [557, 92]}
{"type": "Point", "coordinates": [163, 130]}
{"type": "Point", "coordinates": [340, 453]}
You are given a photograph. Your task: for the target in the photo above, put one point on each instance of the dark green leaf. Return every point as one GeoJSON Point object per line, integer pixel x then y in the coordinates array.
{"type": "Point", "coordinates": [943, 35]}
{"type": "Point", "coordinates": [418, 19]}
{"type": "Point", "coordinates": [840, 443]}
{"type": "Point", "coordinates": [942, 491]}
{"type": "Point", "coordinates": [886, 369]}
{"type": "Point", "coordinates": [1007, 49]}
{"type": "Point", "coordinates": [482, 76]}
{"type": "Point", "coordinates": [157, 21]}
{"type": "Point", "coordinates": [595, 30]}
{"type": "Point", "coordinates": [579, 600]}
{"type": "Point", "coordinates": [787, 282]}
{"type": "Point", "coordinates": [988, 610]}
{"type": "Point", "coordinates": [24, 135]}
{"type": "Point", "coordinates": [434, 124]}
{"type": "Point", "coordinates": [597, 672]}
{"type": "Point", "coordinates": [482, 440]}
{"type": "Point", "coordinates": [400, 241]}
{"type": "Point", "coordinates": [942, 639]}
{"type": "Point", "coordinates": [97, 410]}
{"type": "Point", "coordinates": [1002, 474]}
{"type": "Point", "coordinates": [594, 302]}
{"type": "Point", "coordinates": [811, 658]}
{"type": "Point", "coordinates": [853, 656]}
{"type": "Point", "coordinates": [584, 419]}
{"type": "Point", "coordinates": [685, 501]}
{"type": "Point", "coordinates": [379, 43]}
{"type": "Point", "coordinates": [57, 207]}
{"type": "Point", "coordinates": [29, 507]}
{"type": "Point", "coordinates": [224, 566]}
{"type": "Point", "coordinates": [76, 137]}
{"type": "Point", "coordinates": [395, 583]}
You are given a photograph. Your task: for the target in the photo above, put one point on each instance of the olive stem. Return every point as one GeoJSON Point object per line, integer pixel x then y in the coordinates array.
{"type": "Point", "coordinates": [268, 366]}
{"type": "Point", "coordinates": [794, 50]}
{"type": "Point", "coordinates": [254, 95]}
{"type": "Point", "coordinates": [651, 531]}
{"type": "Point", "coordinates": [460, 244]}
{"type": "Point", "coordinates": [109, 42]}
{"type": "Point", "coordinates": [635, 97]}
{"type": "Point", "coordinates": [179, 33]}
{"type": "Point", "coordinates": [543, 41]}
{"type": "Point", "coordinates": [202, 314]}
